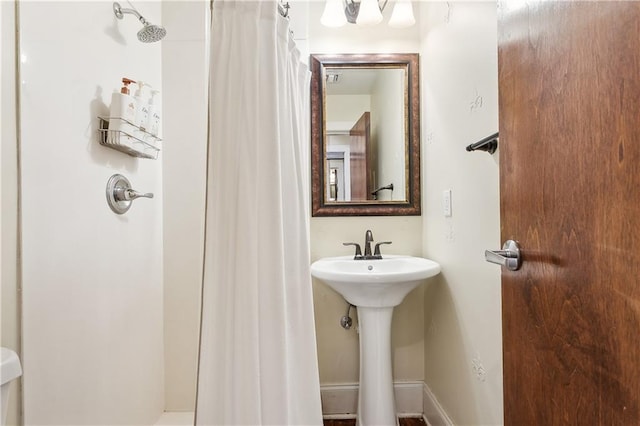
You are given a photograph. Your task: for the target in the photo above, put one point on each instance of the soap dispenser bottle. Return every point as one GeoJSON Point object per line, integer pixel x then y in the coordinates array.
{"type": "Point", "coordinates": [153, 123]}
{"type": "Point", "coordinates": [123, 107]}
{"type": "Point", "coordinates": [142, 112]}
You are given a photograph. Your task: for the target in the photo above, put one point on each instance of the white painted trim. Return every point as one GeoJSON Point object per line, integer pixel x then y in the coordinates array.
{"type": "Point", "coordinates": [341, 401]}
{"type": "Point", "coordinates": [434, 414]}
{"type": "Point", "coordinates": [409, 400]}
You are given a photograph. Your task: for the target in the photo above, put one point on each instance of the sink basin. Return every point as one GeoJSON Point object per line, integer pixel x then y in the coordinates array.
{"type": "Point", "coordinates": [374, 283]}
{"type": "Point", "coordinates": [375, 287]}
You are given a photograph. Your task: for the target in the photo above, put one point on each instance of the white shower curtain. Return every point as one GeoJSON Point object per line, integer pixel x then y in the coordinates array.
{"type": "Point", "coordinates": [258, 362]}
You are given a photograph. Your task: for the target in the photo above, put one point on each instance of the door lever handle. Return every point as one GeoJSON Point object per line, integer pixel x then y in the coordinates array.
{"type": "Point", "coordinates": [509, 256]}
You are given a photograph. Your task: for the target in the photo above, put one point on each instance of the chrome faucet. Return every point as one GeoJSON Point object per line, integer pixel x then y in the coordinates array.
{"type": "Point", "coordinates": [368, 239]}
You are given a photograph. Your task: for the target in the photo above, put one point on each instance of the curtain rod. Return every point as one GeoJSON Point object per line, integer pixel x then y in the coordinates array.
{"type": "Point", "coordinates": [283, 8]}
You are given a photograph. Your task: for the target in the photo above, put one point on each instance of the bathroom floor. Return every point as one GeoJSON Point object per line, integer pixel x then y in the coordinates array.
{"type": "Point", "coordinates": [404, 421]}
{"type": "Point", "coordinates": [186, 419]}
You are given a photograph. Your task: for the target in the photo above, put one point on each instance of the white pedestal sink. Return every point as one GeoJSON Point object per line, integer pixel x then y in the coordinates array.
{"type": "Point", "coordinates": [375, 287]}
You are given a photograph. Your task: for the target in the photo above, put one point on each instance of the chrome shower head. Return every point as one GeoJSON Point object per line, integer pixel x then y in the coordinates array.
{"type": "Point", "coordinates": [149, 32]}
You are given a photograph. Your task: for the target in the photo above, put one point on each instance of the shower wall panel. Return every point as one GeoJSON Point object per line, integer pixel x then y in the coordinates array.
{"type": "Point", "coordinates": [92, 280]}
{"type": "Point", "coordinates": [184, 169]}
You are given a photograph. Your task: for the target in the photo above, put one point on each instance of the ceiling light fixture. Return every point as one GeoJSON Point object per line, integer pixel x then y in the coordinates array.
{"type": "Point", "coordinates": [366, 13]}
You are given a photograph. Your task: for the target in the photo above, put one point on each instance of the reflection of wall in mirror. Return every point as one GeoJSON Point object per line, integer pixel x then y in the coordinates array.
{"type": "Point", "coordinates": [388, 131]}
{"type": "Point", "coordinates": [345, 109]}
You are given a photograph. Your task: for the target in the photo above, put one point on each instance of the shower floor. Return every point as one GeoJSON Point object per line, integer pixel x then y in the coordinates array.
{"type": "Point", "coordinates": [176, 418]}
{"type": "Point", "coordinates": [404, 421]}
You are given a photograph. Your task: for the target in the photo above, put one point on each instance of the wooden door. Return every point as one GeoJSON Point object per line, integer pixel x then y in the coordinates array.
{"type": "Point", "coordinates": [360, 135]}
{"type": "Point", "coordinates": [569, 81]}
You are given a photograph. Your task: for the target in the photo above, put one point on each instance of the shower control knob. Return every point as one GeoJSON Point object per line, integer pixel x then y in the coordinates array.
{"type": "Point", "coordinates": [120, 195]}
{"type": "Point", "coordinates": [127, 194]}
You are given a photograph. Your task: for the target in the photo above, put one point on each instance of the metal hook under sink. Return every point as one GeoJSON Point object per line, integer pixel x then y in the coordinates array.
{"type": "Point", "coordinates": [346, 322]}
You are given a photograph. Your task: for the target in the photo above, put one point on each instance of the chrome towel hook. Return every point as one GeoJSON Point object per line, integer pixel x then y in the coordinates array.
{"type": "Point", "coordinates": [488, 144]}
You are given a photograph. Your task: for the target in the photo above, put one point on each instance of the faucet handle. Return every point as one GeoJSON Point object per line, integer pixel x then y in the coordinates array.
{"type": "Point", "coordinates": [358, 250]}
{"type": "Point", "coordinates": [377, 249]}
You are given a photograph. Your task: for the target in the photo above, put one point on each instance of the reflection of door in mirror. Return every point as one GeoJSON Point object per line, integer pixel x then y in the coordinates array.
{"type": "Point", "coordinates": [360, 136]}
{"type": "Point", "coordinates": [368, 106]}
{"type": "Point", "coordinates": [335, 167]}
{"type": "Point", "coordinates": [339, 172]}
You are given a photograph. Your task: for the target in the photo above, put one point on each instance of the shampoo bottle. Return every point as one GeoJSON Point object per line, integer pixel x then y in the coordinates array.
{"type": "Point", "coordinates": [123, 107]}
{"type": "Point", "coordinates": [142, 112]}
{"type": "Point", "coordinates": [153, 123]}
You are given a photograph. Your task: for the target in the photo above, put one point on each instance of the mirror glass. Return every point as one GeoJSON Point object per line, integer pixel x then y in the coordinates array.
{"type": "Point", "coordinates": [365, 135]}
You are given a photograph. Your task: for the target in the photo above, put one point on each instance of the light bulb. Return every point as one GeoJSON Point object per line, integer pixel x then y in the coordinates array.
{"type": "Point", "coordinates": [369, 13]}
{"type": "Point", "coordinates": [333, 15]}
{"type": "Point", "coordinates": [402, 15]}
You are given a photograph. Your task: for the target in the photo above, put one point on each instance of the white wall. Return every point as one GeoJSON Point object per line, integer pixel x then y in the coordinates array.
{"type": "Point", "coordinates": [184, 73]}
{"type": "Point", "coordinates": [463, 346]}
{"type": "Point", "coordinates": [338, 348]}
{"type": "Point", "coordinates": [92, 280]}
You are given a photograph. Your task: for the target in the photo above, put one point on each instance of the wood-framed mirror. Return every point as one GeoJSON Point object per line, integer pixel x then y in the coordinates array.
{"type": "Point", "coordinates": [365, 134]}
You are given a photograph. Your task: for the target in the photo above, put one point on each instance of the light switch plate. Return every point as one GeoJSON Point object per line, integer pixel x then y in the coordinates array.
{"type": "Point", "coordinates": [446, 203]}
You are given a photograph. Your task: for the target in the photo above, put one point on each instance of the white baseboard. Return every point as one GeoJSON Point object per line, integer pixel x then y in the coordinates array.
{"type": "Point", "coordinates": [341, 401]}
{"type": "Point", "coordinates": [434, 414]}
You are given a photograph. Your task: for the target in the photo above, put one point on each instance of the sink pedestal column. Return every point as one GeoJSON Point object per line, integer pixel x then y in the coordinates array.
{"type": "Point", "coordinates": [376, 400]}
